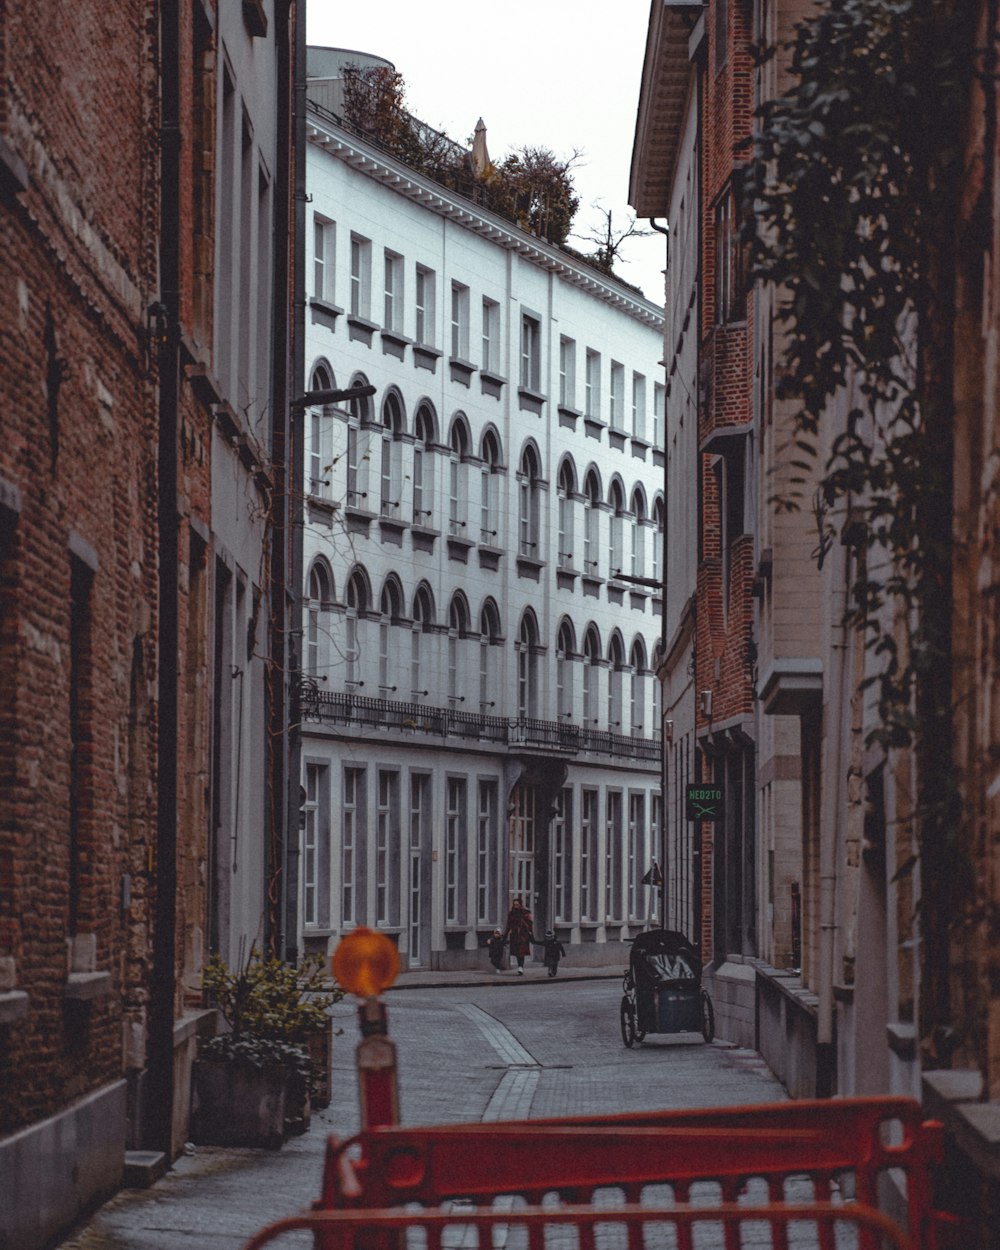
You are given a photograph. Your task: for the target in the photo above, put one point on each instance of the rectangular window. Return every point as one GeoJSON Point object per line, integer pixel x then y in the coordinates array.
{"type": "Point", "coordinates": [659, 413]}
{"type": "Point", "coordinates": [352, 822]}
{"type": "Point", "coordinates": [531, 352]}
{"type": "Point", "coordinates": [730, 303]}
{"type": "Point", "coordinates": [638, 406]}
{"type": "Point", "coordinates": [315, 846]}
{"type": "Point", "coordinates": [392, 317]}
{"type": "Point", "coordinates": [454, 842]}
{"type": "Point", "coordinates": [567, 372]}
{"type": "Point", "coordinates": [636, 856]}
{"type": "Point", "coordinates": [361, 276]}
{"type": "Point", "coordinates": [420, 823]}
{"type": "Point", "coordinates": [424, 303]}
{"type": "Point", "coordinates": [323, 253]}
{"type": "Point", "coordinates": [491, 335]}
{"type": "Point", "coordinates": [386, 848]}
{"type": "Point", "coordinates": [81, 737]}
{"type": "Point", "coordinates": [562, 854]}
{"type": "Point", "coordinates": [486, 843]}
{"type": "Point", "coordinates": [613, 857]}
{"type": "Point", "coordinates": [319, 453]}
{"type": "Point", "coordinates": [617, 396]}
{"type": "Point", "coordinates": [592, 385]}
{"type": "Point", "coordinates": [459, 321]}
{"type": "Point", "coordinates": [588, 855]}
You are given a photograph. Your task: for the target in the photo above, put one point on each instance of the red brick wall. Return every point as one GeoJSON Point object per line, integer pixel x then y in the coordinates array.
{"type": "Point", "coordinates": [725, 604]}
{"type": "Point", "coordinates": [77, 405]}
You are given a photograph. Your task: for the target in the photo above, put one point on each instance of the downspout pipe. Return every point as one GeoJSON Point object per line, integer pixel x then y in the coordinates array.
{"type": "Point", "coordinates": [835, 723]}
{"type": "Point", "coordinates": [159, 1076]}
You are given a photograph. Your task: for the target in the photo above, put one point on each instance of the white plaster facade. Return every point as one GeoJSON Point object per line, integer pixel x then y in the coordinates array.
{"type": "Point", "coordinates": [480, 710]}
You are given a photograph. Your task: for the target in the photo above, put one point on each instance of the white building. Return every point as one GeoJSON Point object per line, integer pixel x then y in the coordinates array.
{"type": "Point", "coordinates": [482, 547]}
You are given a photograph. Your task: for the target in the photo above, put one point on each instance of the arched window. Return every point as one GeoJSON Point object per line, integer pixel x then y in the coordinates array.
{"type": "Point", "coordinates": [565, 648]}
{"type": "Point", "coordinates": [617, 530]}
{"type": "Point", "coordinates": [458, 628]}
{"type": "Point", "coordinates": [527, 666]}
{"type": "Point", "coordinates": [489, 658]}
{"type": "Point", "coordinates": [358, 450]}
{"type": "Point", "coordinates": [393, 427]}
{"type": "Point", "coordinates": [358, 600]}
{"type": "Point", "coordinates": [657, 561]}
{"type": "Point", "coordinates": [567, 492]}
{"type": "Point", "coordinates": [638, 534]}
{"type": "Point", "coordinates": [390, 612]}
{"type": "Point", "coordinates": [489, 510]}
{"type": "Point", "coordinates": [458, 453]}
{"type": "Point", "coordinates": [637, 689]}
{"type": "Point", "coordinates": [616, 663]}
{"type": "Point", "coordinates": [425, 432]}
{"type": "Point", "coordinates": [591, 668]}
{"type": "Point", "coordinates": [528, 492]}
{"type": "Point", "coordinates": [319, 596]}
{"type": "Point", "coordinates": [320, 435]}
{"type": "Point", "coordinates": [591, 522]}
{"type": "Point", "coordinates": [423, 619]}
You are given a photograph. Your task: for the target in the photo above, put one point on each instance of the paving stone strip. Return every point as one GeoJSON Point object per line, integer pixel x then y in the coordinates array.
{"type": "Point", "coordinates": [513, 1095]}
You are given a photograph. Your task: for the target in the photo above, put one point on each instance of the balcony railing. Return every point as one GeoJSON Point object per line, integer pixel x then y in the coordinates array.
{"type": "Point", "coordinates": [517, 733]}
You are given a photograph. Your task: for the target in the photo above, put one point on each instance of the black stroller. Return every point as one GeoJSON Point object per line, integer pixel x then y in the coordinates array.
{"type": "Point", "coordinates": [662, 989]}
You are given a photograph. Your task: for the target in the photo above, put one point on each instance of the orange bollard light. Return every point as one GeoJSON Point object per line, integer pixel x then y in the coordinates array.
{"type": "Point", "coordinates": [365, 963]}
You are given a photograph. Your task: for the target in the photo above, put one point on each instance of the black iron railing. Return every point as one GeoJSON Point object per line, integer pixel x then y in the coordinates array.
{"type": "Point", "coordinates": [333, 707]}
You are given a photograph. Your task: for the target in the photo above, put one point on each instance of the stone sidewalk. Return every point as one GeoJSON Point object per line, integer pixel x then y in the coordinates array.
{"type": "Point", "coordinates": [469, 1049]}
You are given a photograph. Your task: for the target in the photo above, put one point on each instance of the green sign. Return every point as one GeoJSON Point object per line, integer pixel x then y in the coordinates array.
{"type": "Point", "coordinates": [705, 802]}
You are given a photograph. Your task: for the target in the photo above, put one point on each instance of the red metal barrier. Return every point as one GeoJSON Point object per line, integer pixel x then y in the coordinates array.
{"type": "Point", "coordinates": [864, 1149]}
{"type": "Point", "coordinates": [726, 1226]}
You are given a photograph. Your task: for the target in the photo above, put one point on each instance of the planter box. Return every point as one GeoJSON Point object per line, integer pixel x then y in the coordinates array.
{"type": "Point", "coordinates": [320, 1045]}
{"type": "Point", "coordinates": [238, 1105]}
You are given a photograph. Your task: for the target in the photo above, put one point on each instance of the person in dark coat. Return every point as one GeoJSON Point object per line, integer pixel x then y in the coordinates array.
{"type": "Point", "coordinates": [495, 947]}
{"type": "Point", "coordinates": [552, 951]}
{"type": "Point", "coordinates": [519, 933]}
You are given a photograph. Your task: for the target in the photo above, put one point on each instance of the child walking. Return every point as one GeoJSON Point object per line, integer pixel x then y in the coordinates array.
{"type": "Point", "coordinates": [495, 946]}
{"type": "Point", "coordinates": [553, 950]}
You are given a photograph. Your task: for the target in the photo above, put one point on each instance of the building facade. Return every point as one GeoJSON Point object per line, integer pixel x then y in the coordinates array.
{"type": "Point", "coordinates": [145, 332]}
{"type": "Point", "coordinates": [482, 606]}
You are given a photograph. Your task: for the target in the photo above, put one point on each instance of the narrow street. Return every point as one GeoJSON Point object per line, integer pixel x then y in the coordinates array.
{"type": "Point", "coordinates": [497, 1050]}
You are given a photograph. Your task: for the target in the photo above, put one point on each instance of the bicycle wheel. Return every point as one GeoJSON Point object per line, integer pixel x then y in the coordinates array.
{"type": "Point", "coordinates": [627, 1015]}
{"type": "Point", "coordinates": [707, 1017]}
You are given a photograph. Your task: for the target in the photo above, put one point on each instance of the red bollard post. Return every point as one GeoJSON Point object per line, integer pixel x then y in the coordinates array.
{"type": "Point", "coordinates": [376, 1054]}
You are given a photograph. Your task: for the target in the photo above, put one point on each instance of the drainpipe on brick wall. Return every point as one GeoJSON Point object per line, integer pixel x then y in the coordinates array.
{"type": "Point", "coordinates": [828, 846]}
{"type": "Point", "coordinates": [159, 1078]}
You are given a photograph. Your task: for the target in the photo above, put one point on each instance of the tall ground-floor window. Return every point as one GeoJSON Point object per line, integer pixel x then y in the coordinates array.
{"type": "Point", "coordinates": [636, 856]}
{"type": "Point", "coordinates": [613, 856]}
{"type": "Point", "coordinates": [588, 854]}
{"type": "Point", "coordinates": [486, 842]}
{"type": "Point", "coordinates": [522, 846]}
{"type": "Point", "coordinates": [420, 825]}
{"type": "Point", "coordinates": [562, 865]}
{"type": "Point", "coordinates": [315, 846]}
{"type": "Point", "coordinates": [386, 848]}
{"type": "Point", "coordinates": [454, 843]}
{"type": "Point", "coordinates": [352, 822]}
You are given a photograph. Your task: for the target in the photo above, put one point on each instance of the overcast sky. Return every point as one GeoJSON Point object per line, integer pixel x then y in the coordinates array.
{"type": "Point", "coordinates": [562, 74]}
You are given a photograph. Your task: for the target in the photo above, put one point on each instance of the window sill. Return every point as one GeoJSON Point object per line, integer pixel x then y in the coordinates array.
{"type": "Point", "coordinates": [326, 308]}
{"type": "Point", "coordinates": [13, 1006]}
{"type": "Point", "coordinates": [530, 400]}
{"type": "Point", "coordinates": [394, 343]}
{"type": "Point", "coordinates": [83, 987]}
{"type": "Point", "coordinates": [528, 566]}
{"type": "Point", "coordinates": [593, 426]}
{"type": "Point", "coordinates": [617, 439]}
{"type": "Point", "coordinates": [360, 329]}
{"type": "Point", "coordinates": [461, 370]}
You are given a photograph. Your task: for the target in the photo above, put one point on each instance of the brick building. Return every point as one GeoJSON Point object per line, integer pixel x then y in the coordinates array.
{"type": "Point", "coordinates": [694, 128]}
{"type": "Point", "coordinates": [145, 174]}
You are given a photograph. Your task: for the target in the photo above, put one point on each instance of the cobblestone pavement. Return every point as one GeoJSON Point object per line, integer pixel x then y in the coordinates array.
{"type": "Point", "coordinates": [495, 1049]}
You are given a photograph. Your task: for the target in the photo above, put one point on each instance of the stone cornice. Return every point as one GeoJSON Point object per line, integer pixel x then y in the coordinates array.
{"type": "Point", "coordinates": [397, 177]}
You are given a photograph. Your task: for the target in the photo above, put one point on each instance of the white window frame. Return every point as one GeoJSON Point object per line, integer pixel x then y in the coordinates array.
{"type": "Point", "coordinates": [592, 385]}
{"type": "Point", "coordinates": [459, 321]}
{"type": "Point", "coordinates": [567, 372]}
{"type": "Point", "coordinates": [491, 335]}
{"type": "Point", "coordinates": [393, 291]}
{"type": "Point", "coordinates": [424, 306]}
{"type": "Point", "coordinates": [361, 276]}
{"type": "Point", "coordinates": [531, 352]}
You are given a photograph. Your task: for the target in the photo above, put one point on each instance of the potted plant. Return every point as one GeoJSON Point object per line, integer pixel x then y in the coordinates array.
{"type": "Point", "coordinates": [252, 1081]}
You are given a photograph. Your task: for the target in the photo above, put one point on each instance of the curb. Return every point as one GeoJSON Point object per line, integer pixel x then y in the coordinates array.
{"type": "Point", "coordinates": [458, 981]}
